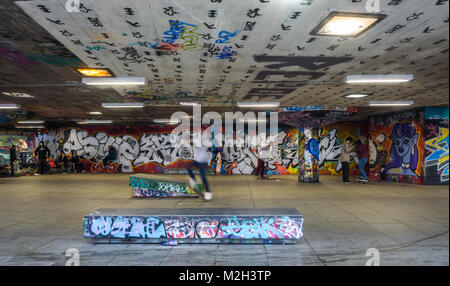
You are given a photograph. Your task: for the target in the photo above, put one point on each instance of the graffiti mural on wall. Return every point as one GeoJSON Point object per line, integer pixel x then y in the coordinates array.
{"type": "Point", "coordinates": [150, 227]}
{"type": "Point", "coordinates": [396, 147]}
{"type": "Point", "coordinates": [331, 139]}
{"type": "Point", "coordinates": [12, 138]}
{"type": "Point", "coordinates": [436, 134]}
{"type": "Point", "coordinates": [309, 151]}
{"type": "Point", "coordinates": [150, 150]}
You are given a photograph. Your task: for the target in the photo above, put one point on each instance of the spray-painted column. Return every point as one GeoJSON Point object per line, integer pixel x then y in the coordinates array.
{"type": "Point", "coordinates": [308, 171]}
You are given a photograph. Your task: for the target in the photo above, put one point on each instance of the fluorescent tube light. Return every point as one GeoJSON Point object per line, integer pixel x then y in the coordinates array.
{"type": "Point", "coordinates": [9, 106]}
{"type": "Point", "coordinates": [258, 104]}
{"type": "Point", "coordinates": [114, 81]}
{"type": "Point", "coordinates": [95, 113]}
{"type": "Point", "coordinates": [123, 105]}
{"type": "Point", "coordinates": [31, 122]}
{"type": "Point", "coordinates": [378, 78]}
{"type": "Point", "coordinates": [30, 126]}
{"type": "Point", "coordinates": [391, 103]}
{"type": "Point", "coordinates": [188, 103]}
{"type": "Point", "coordinates": [95, 122]}
{"type": "Point", "coordinates": [166, 121]}
{"type": "Point", "coordinates": [356, 95]}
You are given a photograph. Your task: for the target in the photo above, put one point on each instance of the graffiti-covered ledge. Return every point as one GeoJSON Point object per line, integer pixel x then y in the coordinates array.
{"type": "Point", "coordinates": [203, 225]}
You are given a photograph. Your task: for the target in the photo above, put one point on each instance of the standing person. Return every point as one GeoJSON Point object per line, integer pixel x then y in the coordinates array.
{"type": "Point", "coordinates": [262, 155]}
{"type": "Point", "coordinates": [112, 154]}
{"type": "Point", "coordinates": [23, 150]}
{"type": "Point", "coordinates": [76, 162]}
{"type": "Point", "coordinates": [363, 153]}
{"type": "Point", "coordinates": [219, 162]}
{"type": "Point", "coordinates": [201, 160]}
{"type": "Point", "coordinates": [12, 158]}
{"type": "Point", "coordinates": [42, 152]}
{"type": "Point", "coordinates": [346, 149]}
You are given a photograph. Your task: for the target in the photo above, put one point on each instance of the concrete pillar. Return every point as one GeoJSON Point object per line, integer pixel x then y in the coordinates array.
{"type": "Point", "coordinates": [308, 171]}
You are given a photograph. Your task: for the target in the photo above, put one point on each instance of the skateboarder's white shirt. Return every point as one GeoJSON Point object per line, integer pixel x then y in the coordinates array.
{"type": "Point", "coordinates": [200, 155]}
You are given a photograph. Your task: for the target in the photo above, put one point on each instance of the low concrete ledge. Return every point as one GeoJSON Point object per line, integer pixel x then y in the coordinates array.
{"type": "Point", "coordinates": [158, 186]}
{"type": "Point", "coordinates": [203, 225]}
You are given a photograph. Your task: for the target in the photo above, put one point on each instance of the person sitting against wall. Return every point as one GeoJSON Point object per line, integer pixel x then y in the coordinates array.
{"type": "Point", "coordinates": [23, 150]}
{"type": "Point", "coordinates": [43, 153]}
{"type": "Point", "coordinates": [346, 149]}
{"type": "Point", "coordinates": [62, 163]}
{"type": "Point", "coordinates": [12, 158]}
{"type": "Point", "coordinates": [112, 154]}
{"type": "Point", "coordinates": [76, 161]}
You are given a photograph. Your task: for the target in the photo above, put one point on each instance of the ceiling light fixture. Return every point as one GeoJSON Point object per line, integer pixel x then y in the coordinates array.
{"type": "Point", "coordinates": [166, 121]}
{"type": "Point", "coordinates": [95, 113]}
{"type": "Point", "coordinates": [343, 24]}
{"type": "Point", "coordinates": [399, 78]}
{"type": "Point", "coordinates": [188, 103]}
{"type": "Point", "coordinates": [114, 81]}
{"type": "Point", "coordinates": [123, 105]}
{"type": "Point", "coordinates": [31, 122]}
{"type": "Point", "coordinates": [258, 104]}
{"type": "Point", "coordinates": [30, 126]}
{"type": "Point", "coordinates": [95, 122]}
{"type": "Point", "coordinates": [94, 72]}
{"type": "Point", "coordinates": [391, 103]}
{"type": "Point", "coordinates": [356, 95]}
{"type": "Point", "coordinates": [9, 106]}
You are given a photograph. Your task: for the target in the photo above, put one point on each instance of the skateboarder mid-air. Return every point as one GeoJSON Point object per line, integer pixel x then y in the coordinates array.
{"type": "Point", "coordinates": [201, 159]}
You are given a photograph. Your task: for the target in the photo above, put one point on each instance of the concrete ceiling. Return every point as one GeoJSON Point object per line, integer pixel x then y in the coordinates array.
{"type": "Point", "coordinates": [228, 51]}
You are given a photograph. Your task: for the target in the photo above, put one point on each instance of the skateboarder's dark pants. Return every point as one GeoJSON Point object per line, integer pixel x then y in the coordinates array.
{"type": "Point", "coordinates": [345, 171]}
{"type": "Point", "coordinates": [12, 170]}
{"type": "Point", "coordinates": [202, 169]}
{"type": "Point", "coordinates": [42, 166]}
{"type": "Point", "coordinates": [260, 168]}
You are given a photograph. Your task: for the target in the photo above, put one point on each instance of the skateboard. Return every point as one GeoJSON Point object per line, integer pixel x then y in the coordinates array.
{"type": "Point", "coordinates": [198, 189]}
{"type": "Point", "coordinates": [362, 181]}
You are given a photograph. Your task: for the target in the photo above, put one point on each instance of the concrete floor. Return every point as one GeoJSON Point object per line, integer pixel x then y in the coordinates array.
{"type": "Point", "coordinates": [41, 217]}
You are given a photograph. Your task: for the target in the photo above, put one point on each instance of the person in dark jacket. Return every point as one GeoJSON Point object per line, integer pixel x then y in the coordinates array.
{"type": "Point", "coordinates": [42, 152]}
{"type": "Point", "coordinates": [12, 158]}
{"type": "Point", "coordinates": [112, 154]}
{"type": "Point", "coordinates": [62, 163]}
{"type": "Point", "coordinates": [77, 162]}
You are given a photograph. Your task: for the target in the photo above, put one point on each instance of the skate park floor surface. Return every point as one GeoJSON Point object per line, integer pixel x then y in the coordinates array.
{"type": "Point", "coordinates": [41, 218]}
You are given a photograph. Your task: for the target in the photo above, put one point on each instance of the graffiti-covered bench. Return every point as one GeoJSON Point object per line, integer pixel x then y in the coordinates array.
{"type": "Point", "coordinates": [151, 186]}
{"type": "Point", "coordinates": [202, 225]}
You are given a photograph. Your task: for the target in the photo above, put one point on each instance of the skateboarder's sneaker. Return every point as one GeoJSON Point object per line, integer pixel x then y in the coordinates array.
{"type": "Point", "coordinates": [207, 196]}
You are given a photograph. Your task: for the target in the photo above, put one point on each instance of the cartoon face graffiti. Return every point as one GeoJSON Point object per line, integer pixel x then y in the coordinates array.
{"type": "Point", "coordinates": [404, 152]}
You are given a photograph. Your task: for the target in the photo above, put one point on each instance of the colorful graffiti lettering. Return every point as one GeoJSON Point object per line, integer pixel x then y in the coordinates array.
{"type": "Point", "coordinates": [149, 227]}
{"type": "Point", "coordinates": [146, 152]}
{"type": "Point", "coordinates": [439, 154]}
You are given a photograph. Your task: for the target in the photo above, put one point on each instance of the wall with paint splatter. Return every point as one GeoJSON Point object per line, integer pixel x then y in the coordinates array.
{"type": "Point", "coordinates": [331, 139]}
{"type": "Point", "coordinates": [149, 149]}
{"type": "Point", "coordinates": [8, 138]}
{"type": "Point", "coordinates": [397, 147]}
{"type": "Point", "coordinates": [436, 146]}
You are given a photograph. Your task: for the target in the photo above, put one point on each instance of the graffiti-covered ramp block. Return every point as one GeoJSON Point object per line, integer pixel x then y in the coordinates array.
{"type": "Point", "coordinates": [159, 186]}
{"type": "Point", "coordinates": [202, 225]}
